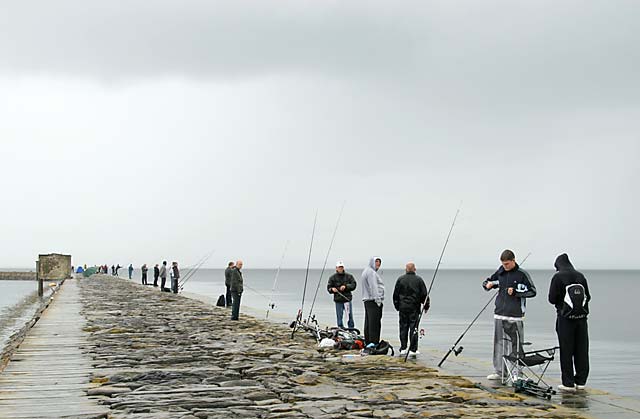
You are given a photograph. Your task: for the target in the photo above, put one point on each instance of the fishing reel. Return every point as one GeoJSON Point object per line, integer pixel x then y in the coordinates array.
{"type": "Point", "coordinates": [272, 306]}
{"type": "Point", "coordinates": [422, 333]}
{"type": "Point", "coordinates": [458, 350]}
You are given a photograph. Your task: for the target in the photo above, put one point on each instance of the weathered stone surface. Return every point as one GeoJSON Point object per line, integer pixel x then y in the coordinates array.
{"type": "Point", "coordinates": [172, 357]}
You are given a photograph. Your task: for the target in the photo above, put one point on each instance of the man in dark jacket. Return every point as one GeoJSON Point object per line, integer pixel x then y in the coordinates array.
{"type": "Point", "coordinates": [227, 283]}
{"type": "Point", "coordinates": [341, 284]}
{"type": "Point", "coordinates": [569, 292]}
{"type": "Point", "coordinates": [409, 294]}
{"type": "Point", "coordinates": [514, 287]}
{"type": "Point", "coordinates": [156, 275]}
{"type": "Point", "coordinates": [237, 286]}
{"type": "Point", "coordinates": [175, 277]}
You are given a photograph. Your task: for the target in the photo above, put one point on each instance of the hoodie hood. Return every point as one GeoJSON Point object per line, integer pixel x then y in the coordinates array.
{"type": "Point", "coordinates": [562, 263]}
{"type": "Point", "coordinates": [372, 262]}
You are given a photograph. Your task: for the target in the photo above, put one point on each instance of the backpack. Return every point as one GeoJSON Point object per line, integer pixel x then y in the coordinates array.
{"type": "Point", "coordinates": [574, 305]}
{"type": "Point", "coordinates": [220, 302]}
{"type": "Point", "coordinates": [381, 348]}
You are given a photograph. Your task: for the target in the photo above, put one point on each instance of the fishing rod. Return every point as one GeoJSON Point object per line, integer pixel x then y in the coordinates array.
{"type": "Point", "coordinates": [191, 268]}
{"type": "Point", "coordinates": [335, 230]}
{"type": "Point", "coordinates": [457, 350]}
{"type": "Point", "coordinates": [294, 325]}
{"type": "Point", "coordinates": [271, 305]}
{"type": "Point", "coordinates": [414, 331]}
{"type": "Point", "coordinates": [194, 270]}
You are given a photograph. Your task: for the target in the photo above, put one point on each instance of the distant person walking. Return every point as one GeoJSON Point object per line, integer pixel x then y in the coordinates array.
{"type": "Point", "coordinates": [130, 270]}
{"type": "Point", "coordinates": [514, 287]}
{"type": "Point", "coordinates": [237, 282]}
{"type": "Point", "coordinates": [144, 270]}
{"type": "Point", "coordinates": [175, 276]}
{"type": "Point", "coordinates": [341, 284]}
{"type": "Point", "coordinates": [409, 294]}
{"type": "Point", "coordinates": [113, 270]}
{"type": "Point", "coordinates": [118, 267]}
{"type": "Point", "coordinates": [156, 275]}
{"type": "Point", "coordinates": [227, 282]}
{"type": "Point", "coordinates": [373, 297]}
{"type": "Point", "coordinates": [163, 275]}
{"type": "Point", "coordinates": [569, 292]}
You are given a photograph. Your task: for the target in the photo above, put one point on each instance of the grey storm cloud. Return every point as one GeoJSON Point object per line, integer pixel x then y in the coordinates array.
{"type": "Point", "coordinates": [149, 128]}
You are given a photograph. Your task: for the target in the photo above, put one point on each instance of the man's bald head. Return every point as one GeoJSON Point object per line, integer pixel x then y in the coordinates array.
{"type": "Point", "coordinates": [410, 267]}
{"type": "Point", "coordinates": [239, 264]}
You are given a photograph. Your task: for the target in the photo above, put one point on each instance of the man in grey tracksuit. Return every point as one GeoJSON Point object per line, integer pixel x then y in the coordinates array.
{"type": "Point", "coordinates": [373, 297]}
{"type": "Point", "coordinates": [514, 286]}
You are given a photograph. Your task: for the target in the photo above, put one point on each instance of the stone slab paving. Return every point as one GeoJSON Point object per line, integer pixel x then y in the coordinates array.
{"type": "Point", "coordinates": [159, 355]}
{"type": "Point", "coordinates": [49, 375]}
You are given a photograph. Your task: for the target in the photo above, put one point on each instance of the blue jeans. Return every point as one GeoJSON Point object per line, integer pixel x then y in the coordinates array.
{"type": "Point", "coordinates": [339, 312]}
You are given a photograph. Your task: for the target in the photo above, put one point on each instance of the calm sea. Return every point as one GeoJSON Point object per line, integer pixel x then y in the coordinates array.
{"type": "Point", "coordinates": [18, 300]}
{"type": "Point", "coordinates": [457, 297]}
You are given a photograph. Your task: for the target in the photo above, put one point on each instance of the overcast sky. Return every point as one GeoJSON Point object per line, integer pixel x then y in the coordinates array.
{"type": "Point", "coordinates": [146, 130]}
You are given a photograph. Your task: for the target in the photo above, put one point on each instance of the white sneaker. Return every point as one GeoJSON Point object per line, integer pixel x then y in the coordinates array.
{"type": "Point", "coordinates": [566, 389]}
{"type": "Point", "coordinates": [403, 351]}
{"type": "Point", "coordinates": [494, 376]}
{"type": "Point", "coordinates": [583, 387]}
{"type": "Point", "coordinates": [414, 354]}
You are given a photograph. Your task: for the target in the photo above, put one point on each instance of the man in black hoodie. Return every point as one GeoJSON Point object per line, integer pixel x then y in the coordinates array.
{"type": "Point", "coordinates": [409, 294]}
{"type": "Point", "coordinates": [514, 287]}
{"type": "Point", "coordinates": [341, 284]}
{"type": "Point", "coordinates": [569, 292]}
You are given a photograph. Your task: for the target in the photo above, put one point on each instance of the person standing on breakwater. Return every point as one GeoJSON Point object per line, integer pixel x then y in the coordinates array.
{"type": "Point", "coordinates": [227, 282]}
{"type": "Point", "coordinates": [113, 270]}
{"type": "Point", "coordinates": [130, 270]}
{"type": "Point", "coordinates": [408, 295]}
{"type": "Point", "coordinates": [373, 297]}
{"type": "Point", "coordinates": [144, 270]}
{"type": "Point", "coordinates": [156, 274]}
{"type": "Point", "coordinates": [514, 287]}
{"type": "Point", "coordinates": [569, 292]}
{"type": "Point", "coordinates": [175, 276]}
{"type": "Point", "coordinates": [236, 289]}
{"type": "Point", "coordinates": [163, 275]}
{"type": "Point", "coordinates": [341, 284]}
{"type": "Point", "coordinates": [118, 267]}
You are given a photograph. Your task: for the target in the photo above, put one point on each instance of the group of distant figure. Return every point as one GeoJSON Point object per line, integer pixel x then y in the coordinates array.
{"type": "Point", "coordinates": [160, 272]}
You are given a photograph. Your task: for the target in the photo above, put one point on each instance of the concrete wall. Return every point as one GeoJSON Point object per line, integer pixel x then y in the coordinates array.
{"type": "Point", "coordinates": [55, 266]}
{"type": "Point", "coordinates": [30, 276]}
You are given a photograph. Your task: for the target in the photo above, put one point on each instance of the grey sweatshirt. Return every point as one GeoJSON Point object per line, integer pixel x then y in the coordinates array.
{"type": "Point", "coordinates": [372, 285]}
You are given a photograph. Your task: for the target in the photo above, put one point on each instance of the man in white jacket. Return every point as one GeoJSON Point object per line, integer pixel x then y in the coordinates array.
{"type": "Point", "coordinates": [373, 297]}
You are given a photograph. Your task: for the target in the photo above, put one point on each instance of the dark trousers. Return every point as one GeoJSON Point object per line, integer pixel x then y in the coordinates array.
{"type": "Point", "coordinates": [573, 337]}
{"type": "Point", "coordinates": [144, 278]}
{"type": "Point", "coordinates": [408, 321]}
{"type": "Point", "coordinates": [163, 281]}
{"type": "Point", "coordinates": [174, 285]}
{"type": "Point", "coordinates": [235, 308]}
{"type": "Point", "coordinates": [227, 297]}
{"type": "Point", "coordinates": [372, 324]}
{"type": "Point", "coordinates": [155, 280]}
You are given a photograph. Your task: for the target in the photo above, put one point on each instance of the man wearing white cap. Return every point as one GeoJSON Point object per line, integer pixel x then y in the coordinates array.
{"type": "Point", "coordinates": [341, 284]}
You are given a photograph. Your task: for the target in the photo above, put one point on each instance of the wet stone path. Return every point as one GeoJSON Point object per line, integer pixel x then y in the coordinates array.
{"type": "Point", "coordinates": [159, 355]}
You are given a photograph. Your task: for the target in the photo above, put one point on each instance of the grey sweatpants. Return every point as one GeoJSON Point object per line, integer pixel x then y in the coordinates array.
{"type": "Point", "coordinates": [508, 337]}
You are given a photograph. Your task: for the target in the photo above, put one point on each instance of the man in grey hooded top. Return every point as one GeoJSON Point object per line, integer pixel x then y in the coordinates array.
{"type": "Point", "coordinates": [373, 297]}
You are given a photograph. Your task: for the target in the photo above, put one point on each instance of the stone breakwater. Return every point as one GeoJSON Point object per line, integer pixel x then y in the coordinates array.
{"type": "Point", "coordinates": [159, 355]}
{"type": "Point", "coordinates": [15, 276]}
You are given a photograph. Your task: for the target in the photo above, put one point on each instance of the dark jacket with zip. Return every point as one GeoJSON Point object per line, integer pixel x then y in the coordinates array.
{"type": "Point", "coordinates": [409, 293]}
{"type": "Point", "coordinates": [518, 279]}
{"type": "Point", "coordinates": [236, 281]}
{"type": "Point", "coordinates": [565, 275]}
{"type": "Point", "coordinates": [156, 272]}
{"type": "Point", "coordinates": [336, 281]}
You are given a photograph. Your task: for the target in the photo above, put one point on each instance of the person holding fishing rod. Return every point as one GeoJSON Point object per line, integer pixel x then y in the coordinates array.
{"type": "Point", "coordinates": [341, 284]}
{"type": "Point", "coordinates": [514, 286]}
{"type": "Point", "coordinates": [408, 295]}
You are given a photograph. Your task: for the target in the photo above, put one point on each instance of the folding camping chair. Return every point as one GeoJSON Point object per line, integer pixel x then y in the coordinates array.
{"type": "Point", "coordinates": [525, 370]}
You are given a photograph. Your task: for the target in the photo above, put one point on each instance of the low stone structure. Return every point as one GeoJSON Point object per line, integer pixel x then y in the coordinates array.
{"type": "Point", "coordinates": [160, 355]}
{"type": "Point", "coordinates": [20, 276]}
